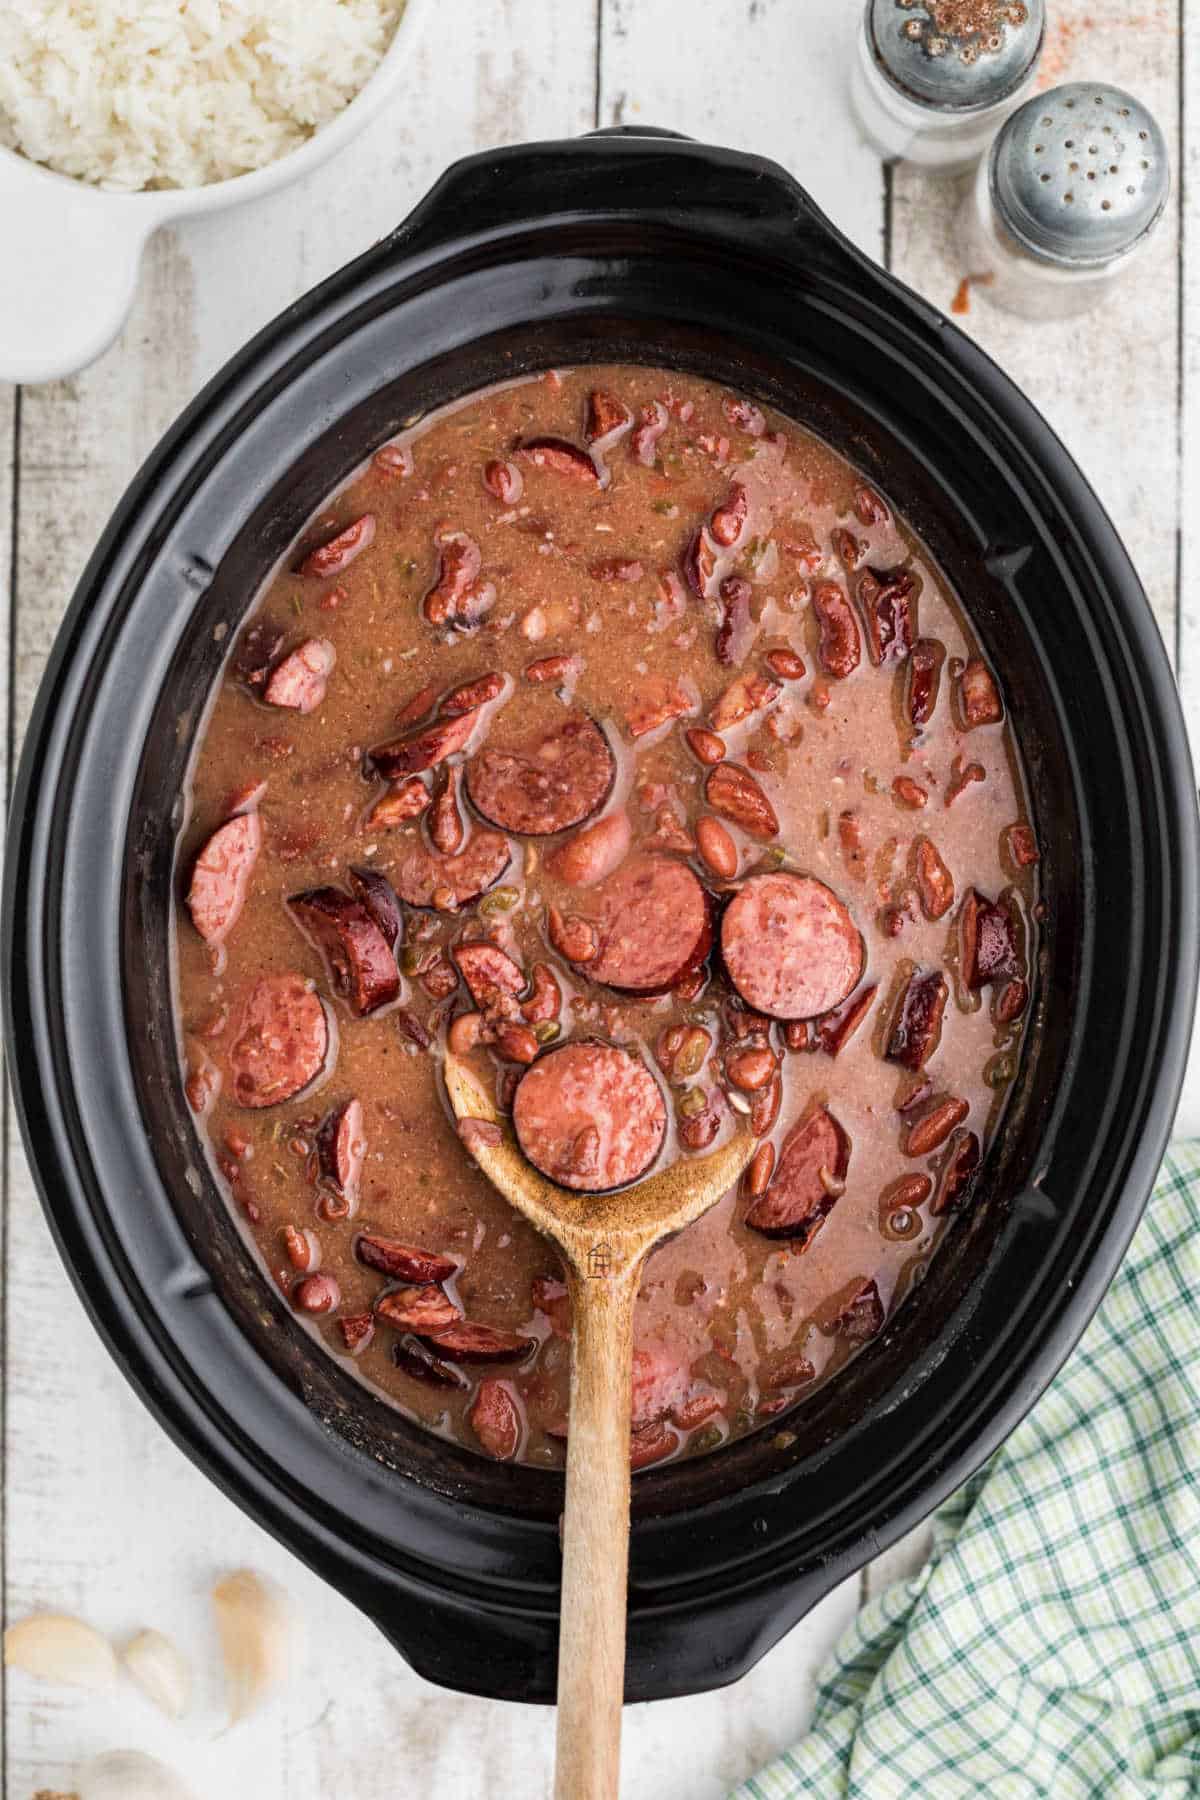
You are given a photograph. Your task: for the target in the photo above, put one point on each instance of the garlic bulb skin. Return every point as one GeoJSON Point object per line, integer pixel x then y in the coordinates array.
{"type": "Point", "coordinates": [255, 1627]}
{"type": "Point", "coordinates": [57, 1647]}
{"type": "Point", "coordinates": [129, 1775]}
{"type": "Point", "coordinates": [160, 1670]}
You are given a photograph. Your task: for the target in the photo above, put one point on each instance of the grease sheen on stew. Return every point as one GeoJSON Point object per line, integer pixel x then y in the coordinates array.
{"type": "Point", "coordinates": [619, 729]}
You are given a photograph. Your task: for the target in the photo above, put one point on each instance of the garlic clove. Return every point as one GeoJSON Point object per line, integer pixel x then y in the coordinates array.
{"type": "Point", "coordinates": [56, 1647]}
{"type": "Point", "coordinates": [160, 1670]}
{"type": "Point", "coordinates": [128, 1775]}
{"type": "Point", "coordinates": [255, 1627]}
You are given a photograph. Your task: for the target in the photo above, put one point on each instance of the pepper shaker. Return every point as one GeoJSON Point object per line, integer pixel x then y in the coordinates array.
{"type": "Point", "coordinates": [1065, 203]}
{"type": "Point", "coordinates": [933, 79]}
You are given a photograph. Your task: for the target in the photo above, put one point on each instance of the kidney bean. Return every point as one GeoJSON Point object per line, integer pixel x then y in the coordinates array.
{"type": "Point", "coordinates": [572, 937]}
{"type": "Point", "coordinates": [840, 646]}
{"type": "Point", "coordinates": [729, 518]}
{"type": "Point", "coordinates": [303, 1248]}
{"type": "Point", "coordinates": [552, 669]}
{"type": "Point", "coordinates": [735, 794]}
{"type": "Point", "coordinates": [495, 1418]}
{"type": "Point", "coordinates": [924, 680]}
{"type": "Point", "coordinates": [750, 1070]}
{"type": "Point", "coordinates": [764, 1108]}
{"type": "Point", "coordinates": [446, 827]}
{"type": "Point", "coordinates": [978, 697]}
{"type": "Point", "coordinates": [472, 694]}
{"type": "Point", "coordinates": [341, 550]}
{"type": "Point", "coordinates": [705, 745]}
{"type": "Point", "coordinates": [699, 563]}
{"type": "Point", "coordinates": [561, 458]}
{"type": "Point", "coordinates": [909, 792]}
{"type": "Point", "coordinates": [317, 1294]}
{"type": "Point", "coordinates": [854, 852]}
{"type": "Point", "coordinates": [1011, 1001]}
{"type": "Point", "coordinates": [654, 421]}
{"type": "Point", "coordinates": [917, 1025]}
{"type": "Point", "coordinates": [592, 853]}
{"type": "Point", "coordinates": [1022, 846]}
{"type": "Point", "coordinates": [716, 847]}
{"type": "Point", "coordinates": [786, 664]}
{"type": "Point", "coordinates": [932, 1129]}
{"type": "Point", "coordinates": [758, 1172]}
{"type": "Point", "coordinates": [458, 597]}
{"type": "Point", "coordinates": [888, 597]}
{"type": "Point", "coordinates": [504, 480]}
{"type": "Point", "coordinates": [697, 1130]}
{"type": "Point", "coordinates": [545, 999]}
{"type": "Point", "coordinates": [516, 1043]}
{"type": "Point", "coordinates": [848, 548]}
{"type": "Point", "coordinates": [904, 1195]}
{"type": "Point", "coordinates": [464, 1033]}
{"type": "Point", "coordinates": [871, 510]}
{"type": "Point", "coordinates": [957, 1172]}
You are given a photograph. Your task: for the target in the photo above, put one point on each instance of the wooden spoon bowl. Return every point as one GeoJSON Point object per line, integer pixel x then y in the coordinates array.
{"type": "Point", "coordinates": [605, 1240]}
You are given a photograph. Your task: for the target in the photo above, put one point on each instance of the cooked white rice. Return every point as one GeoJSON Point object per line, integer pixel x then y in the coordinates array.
{"type": "Point", "coordinates": [135, 94]}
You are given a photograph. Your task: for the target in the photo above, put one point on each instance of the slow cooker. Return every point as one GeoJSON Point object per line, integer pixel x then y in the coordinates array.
{"type": "Point", "coordinates": [626, 247]}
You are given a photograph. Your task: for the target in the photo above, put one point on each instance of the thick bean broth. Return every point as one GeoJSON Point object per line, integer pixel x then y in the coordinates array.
{"type": "Point", "coordinates": [619, 730]}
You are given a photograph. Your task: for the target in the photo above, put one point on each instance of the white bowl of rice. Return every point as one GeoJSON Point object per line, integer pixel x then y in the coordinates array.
{"type": "Point", "coordinates": [119, 116]}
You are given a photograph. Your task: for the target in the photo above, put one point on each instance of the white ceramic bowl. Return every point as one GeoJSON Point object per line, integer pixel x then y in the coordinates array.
{"type": "Point", "coordinates": [72, 252]}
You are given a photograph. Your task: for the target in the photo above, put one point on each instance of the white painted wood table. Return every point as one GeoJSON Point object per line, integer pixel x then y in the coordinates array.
{"type": "Point", "coordinates": [102, 1515]}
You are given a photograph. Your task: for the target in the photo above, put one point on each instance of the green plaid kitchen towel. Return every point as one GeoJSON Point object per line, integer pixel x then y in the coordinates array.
{"type": "Point", "coordinates": [1051, 1644]}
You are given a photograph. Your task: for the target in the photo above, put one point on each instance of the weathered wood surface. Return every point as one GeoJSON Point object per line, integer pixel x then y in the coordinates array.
{"type": "Point", "coordinates": [102, 1514]}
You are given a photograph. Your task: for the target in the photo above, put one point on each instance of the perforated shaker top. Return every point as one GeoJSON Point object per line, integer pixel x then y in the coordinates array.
{"type": "Point", "coordinates": [1079, 175]}
{"type": "Point", "coordinates": [956, 55]}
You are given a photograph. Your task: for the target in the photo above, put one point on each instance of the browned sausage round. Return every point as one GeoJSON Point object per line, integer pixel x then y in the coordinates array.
{"type": "Point", "coordinates": [790, 947]}
{"type": "Point", "coordinates": [379, 897]}
{"type": "Point", "coordinates": [283, 1041]}
{"type": "Point", "coordinates": [653, 924]}
{"type": "Point", "coordinates": [489, 972]}
{"type": "Point", "coordinates": [810, 1178]}
{"type": "Point", "coordinates": [362, 966]}
{"type": "Point", "coordinates": [422, 877]}
{"type": "Point", "coordinates": [550, 784]}
{"type": "Point", "coordinates": [342, 1149]}
{"type": "Point", "coordinates": [590, 1117]}
{"type": "Point", "coordinates": [221, 876]}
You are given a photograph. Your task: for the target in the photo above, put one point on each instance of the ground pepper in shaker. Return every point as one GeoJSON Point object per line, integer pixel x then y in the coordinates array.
{"type": "Point", "coordinates": [933, 79]}
{"type": "Point", "coordinates": [1065, 204]}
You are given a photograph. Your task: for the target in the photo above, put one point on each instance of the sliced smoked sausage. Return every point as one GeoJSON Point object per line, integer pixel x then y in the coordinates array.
{"type": "Point", "coordinates": [362, 966]}
{"type": "Point", "coordinates": [283, 1041]}
{"type": "Point", "coordinates": [653, 925]}
{"type": "Point", "coordinates": [423, 877]}
{"type": "Point", "coordinates": [221, 876]}
{"type": "Point", "coordinates": [809, 1179]}
{"type": "Point", "coordinates": [558, 780]}
{"type": "Point", "coordinates": [590, 1117]}
{"type": "Point", "coordinates": [791, 948]}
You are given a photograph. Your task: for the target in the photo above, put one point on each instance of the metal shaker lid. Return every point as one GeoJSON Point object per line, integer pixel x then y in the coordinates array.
{"type": "Point", "coordinates": [1078, 175]}
{"type": "Point", "coordinates": [956, 55]}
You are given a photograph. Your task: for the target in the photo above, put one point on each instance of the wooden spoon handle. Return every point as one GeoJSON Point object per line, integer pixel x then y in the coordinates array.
{"type": "Point", "coordinates": [591, 1653]}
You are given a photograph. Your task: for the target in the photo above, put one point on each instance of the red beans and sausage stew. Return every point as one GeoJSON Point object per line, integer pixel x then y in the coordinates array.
{"type": "Point", "coordinates": [619, 733]}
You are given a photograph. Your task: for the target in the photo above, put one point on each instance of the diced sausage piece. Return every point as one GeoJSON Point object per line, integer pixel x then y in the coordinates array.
{"type": "Point", "coordinates": [593, 853]}
{"type": "Point", "coordinates": [661, 1383]}
{"type": "Point", "coordinates": [597, 1093]}
{"type": "Point", "coordinates": [417, 1309]}
{"type": "Point", "coordinates": [836, 1028]}
{"type": "Point", "coordinates": [357, 1332]}
{"type": "Point", "coordinates": [917, 1026]}
{"type": "Point", "coordinates": [257, 649]}
{"type": "Point", "coordinates": [744, 416]}
{"type": "Point", "coordinates": [341, 550]}
{"type": "Point", "coordinates": [221, 875]}
{"type": "Point", "coordinates": [472, 694]}
{"type": "Point", "coordinates": [403, 1262]}
{"type": "Point", "coordinates": [488, 972]}
{"type": "Point", "coordinates": [861, 1318]}
{"type": "Point", "coordinates": [362, 966]}
{"type": "Point", "coordinates": [987, 941]}
{"type": "Point", "coordinates": [469, 1343]}
{"type": "Point", "coordinates": [654, 421]}
{"type": "Point", "coordinates": [407, 800]}
{"type": "Point", "coordinates": [924, 680]}
{"type": "Point", "coordinates": [424, 749]}
{"type": "Point", "coordinates": [748, 694]}
{"type": "Point", "coordinates": [394, 459]}
{"type": "Point", "coordinates": [547, 785]}
{"type": "Point", "coordinates": [1022, 846]}
{"type": "Point", "coordinates": [342, 1149]}
{"type": "Point", "coordinates": [654, 926]}
{"type": "Point", "coordinates": [418, 1360]}
{"type": "Point", "coordinates": [495, 1418]}
{"type": "Point", "coordinates": [1011, 1001]}
{"type": "Point", "coordinates": [808, 1180]}
{"type": "Point", "coordinates": [545, 998]}
{"type": "Point", "coordinates": [935, 883]}
{"type": "Point", "coordinates": [651, 1444]}
{"type": "Point", "coordinates": [458, 597]}
{"type": "Point", "coordinates": [888, 599]}
{"type": "Point", "coordinates": [848, 548]}
{"type": "Point", "coordinates": [377, 894]}
{"type": "Point", "coordinates": [978, 697]}
{"type": "Point", "coordinates": [957, 1173]}
{"type": "Point", "coordinates": [727, 522]}
{"type": "Point", "coordinates": [735, 794]}
{"type": "Point", "coordinates": [299, 681]}
{"type": "Point", "coordinates": [447, 883]}
{"type": "Point", "coordinates": [790, 947]}
{"type": "Point", "coordinates": [283, 1041]}
{"type": "Point", "coordinates": [605, 415]}
{"type": "Point", "coordinates": [737, 629]}
{"type": "Point", "coordinates": [840, 646]}
{"type": "Point", "coordinates": [504, 480]}
{"type": "Point", "coordinates": [561, 458]}
{"type": "Point", "coordinates": [575, 938]}
{"type": "Point", "coordinates": [657, 699]}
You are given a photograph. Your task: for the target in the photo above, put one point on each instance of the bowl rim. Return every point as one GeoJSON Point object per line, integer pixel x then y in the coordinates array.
{"type": "Point", "coordinates": [146, 208]}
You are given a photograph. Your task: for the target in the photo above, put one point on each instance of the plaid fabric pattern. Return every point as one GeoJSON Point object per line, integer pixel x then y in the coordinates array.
{"type": "Point", "coordinates": [1051, 1644]}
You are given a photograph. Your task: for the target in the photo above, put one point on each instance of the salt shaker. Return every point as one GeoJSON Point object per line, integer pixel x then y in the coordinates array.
{"type": "Point", "coordinates": [933, 79]}
{"type": "Point", "coordinates": [1065, 203]}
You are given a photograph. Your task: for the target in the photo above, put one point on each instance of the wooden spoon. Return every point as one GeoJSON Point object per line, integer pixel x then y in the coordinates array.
{"type": "Point", "coordinates": [605, 1240]}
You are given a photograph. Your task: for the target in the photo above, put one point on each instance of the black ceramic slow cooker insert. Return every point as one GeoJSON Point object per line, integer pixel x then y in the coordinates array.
{"type": "Point", "coordinates": [625, 248]}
